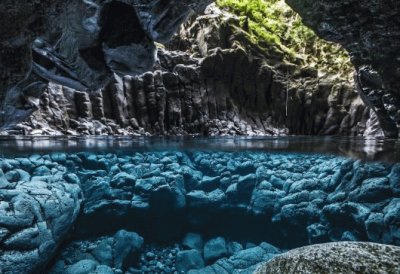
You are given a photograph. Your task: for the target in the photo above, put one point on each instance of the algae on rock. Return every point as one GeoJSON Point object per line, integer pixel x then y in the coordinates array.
{"type": "Point", "coordinates": [277, 30]}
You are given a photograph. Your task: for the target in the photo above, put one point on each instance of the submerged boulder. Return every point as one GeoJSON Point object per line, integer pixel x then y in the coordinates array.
{"type": "Point", "coordinates": [119, 251]}
{"type": "Point", "coordinates": [188, 260]}
{"type": "Point", "coordinates": [341, 257]}
{"type": "Point", "coordinates": [35, 216]}
{"type": "Point", "coordinates": [193, 241]}
{"type": "Point", "coordinates": [214, 249]}
{"type": "Point", "coordinates": [242, 261]}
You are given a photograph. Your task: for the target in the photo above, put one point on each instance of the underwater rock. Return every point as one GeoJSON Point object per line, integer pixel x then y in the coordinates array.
{"type": "Point", "coordinates": [35, 216]}
{"type": "Point", "coordinates": [215, 249]}
{"type": "Point", "coordinates": [243, 261]}
{"type": "Point", "coordinates": [126, 248]}
{"type": "Point", "coordinates": [188, 259]}
{"type": "Point", "coordinates": [119, 251]}
{"type": "Point", "coordinates": [322, 198]}
{"type": "Point", "coordinates": [293, 199]}
{"type": "Point", "coordinates": [336, 258]}
{"type": "Point", "coordinates": [193, 241]}
{"type": "Point", "coordinates": [82, 267]}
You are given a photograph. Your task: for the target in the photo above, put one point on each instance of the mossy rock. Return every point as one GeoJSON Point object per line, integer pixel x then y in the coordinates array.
{"type": "Point", "coordinates": [272, 27]}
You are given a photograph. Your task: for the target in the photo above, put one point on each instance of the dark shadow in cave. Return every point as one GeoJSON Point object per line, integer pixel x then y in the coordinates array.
{"type": "Point", "coordinates": [120, 25]}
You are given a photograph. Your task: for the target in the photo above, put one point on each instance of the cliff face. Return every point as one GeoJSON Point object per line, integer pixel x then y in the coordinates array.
{"type": "Point", "coordinates": [79, 43]}
{"type": "Point", "coordinates": [210, 80]}
{"type": "Point", "coordinates": [370, 32]}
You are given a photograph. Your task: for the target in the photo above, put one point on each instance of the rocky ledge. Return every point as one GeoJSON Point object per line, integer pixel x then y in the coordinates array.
{"type": "Point", "coordinates": [288, 200]}
{"type": "Point", "coordinates": [343, 257]}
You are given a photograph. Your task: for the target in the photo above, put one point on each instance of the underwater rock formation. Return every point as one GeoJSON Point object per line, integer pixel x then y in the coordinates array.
{"type": "Point", "coordinates": [370, 32]}
{"type": "Point", "coordinates": [288, 200]}
{"type": "Point", "coordinates": [100, 253]}
{"type": "Point", "coordinates": [206, 82]}
{"type": "Point", "coordinates": [342, 257]}
{"type": "Point", "coordinates": [39, 203]}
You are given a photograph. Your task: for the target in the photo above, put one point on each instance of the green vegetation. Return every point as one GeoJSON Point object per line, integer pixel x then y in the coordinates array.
{"type": "Point", "coordinates": [273, 23]}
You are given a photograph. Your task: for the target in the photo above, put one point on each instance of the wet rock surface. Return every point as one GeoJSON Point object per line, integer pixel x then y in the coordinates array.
{"type": "Point", "coordinates": [208, 81]}
{"type": "Point", "coordinates": [80, 44]}
{"type": "Point", "coordinates": [198, 96]}
{"type": "Point", "coordinates": [229, 201]}
{"type": "Point", "coordinates": [343, 257]}
{"type": "Point", "coordinates": [371, 36]}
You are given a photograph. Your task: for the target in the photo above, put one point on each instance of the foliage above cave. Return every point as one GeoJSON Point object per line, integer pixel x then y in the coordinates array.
{"type": "Point", "coordinates": [274, 27]}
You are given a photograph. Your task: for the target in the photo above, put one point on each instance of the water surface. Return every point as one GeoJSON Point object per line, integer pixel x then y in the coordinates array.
{"type": "Point", "coordinates": [370, 149]}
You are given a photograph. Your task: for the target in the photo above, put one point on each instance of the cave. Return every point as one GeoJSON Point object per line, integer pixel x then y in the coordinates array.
{"type": "Point", "coordinates": [120, 25]}
{"type": "Point", "coordinates": [199, 137]}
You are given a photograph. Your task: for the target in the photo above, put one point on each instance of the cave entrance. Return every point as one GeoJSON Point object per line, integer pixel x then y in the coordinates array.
{"type": "Point", "coordinates": [120, 25]}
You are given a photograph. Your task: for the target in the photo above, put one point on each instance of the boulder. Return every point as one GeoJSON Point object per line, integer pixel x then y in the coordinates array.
{"type": "Point", "coordinates": [193, 241]}
{"type": "Point", "coordinates": [187, 260]}
{"type": "Point", "coordinates": [200, 199]}
{"type": "Point", "coordinates": [42, 214]}
{"type": "Point", "coordinates": [215, 249]}
{"type": "Point", "coordinates": [82, 267]}
{"type": "Point", "coordinates": [341, 257]}
{"type": "Point", "coordinates": [127, 248]}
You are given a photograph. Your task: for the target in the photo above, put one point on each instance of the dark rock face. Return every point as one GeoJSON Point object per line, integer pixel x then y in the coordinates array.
{"type": "Point", "coordinates": [80, 44]}
{"type": "Point", "coordinates": [370, 31]}
{"type": "Point", "coordinates": [343, 257]}
{"type": "Point", "coordinates": [222, 90]}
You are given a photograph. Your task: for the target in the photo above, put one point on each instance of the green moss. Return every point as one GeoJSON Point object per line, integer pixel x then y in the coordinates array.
{"type": "Point", "coordinates": [275, 28]}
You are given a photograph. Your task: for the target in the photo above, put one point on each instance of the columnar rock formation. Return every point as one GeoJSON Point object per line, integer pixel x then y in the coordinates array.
{"type": "Point", "coordinates": [79, 43]}
{"type": "Point", "coordinates": [208, 83]}
{"type": "Point", "coordinates": [370, 31]}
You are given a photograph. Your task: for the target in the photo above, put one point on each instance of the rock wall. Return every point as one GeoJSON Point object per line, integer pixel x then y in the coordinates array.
{"type": "Point", "coordinates": [370, 32]}
{"type": "Point", "coordinates": [37, 36]}
{"type": "Point", "coordinates": [80, 44]}
{"type": "Point", "coordinates": [207, 83]}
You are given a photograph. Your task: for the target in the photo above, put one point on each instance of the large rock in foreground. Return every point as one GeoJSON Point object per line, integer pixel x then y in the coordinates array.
{"type": "Point", "coordinates": [341, 257]}
{"type": "Point", "coordinates": [36, 212]}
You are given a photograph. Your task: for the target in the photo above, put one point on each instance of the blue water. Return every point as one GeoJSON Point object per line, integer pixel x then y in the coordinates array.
{"type": "Point", "coordinates": [126, 205]}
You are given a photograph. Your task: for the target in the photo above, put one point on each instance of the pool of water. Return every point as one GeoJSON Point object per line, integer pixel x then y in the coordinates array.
{"type": "Point", "coordinates": [189, 205]}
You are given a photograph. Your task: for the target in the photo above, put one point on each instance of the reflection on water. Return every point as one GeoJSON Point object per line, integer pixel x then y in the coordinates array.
{"type": "Point", "coordinates": [361, 148]}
